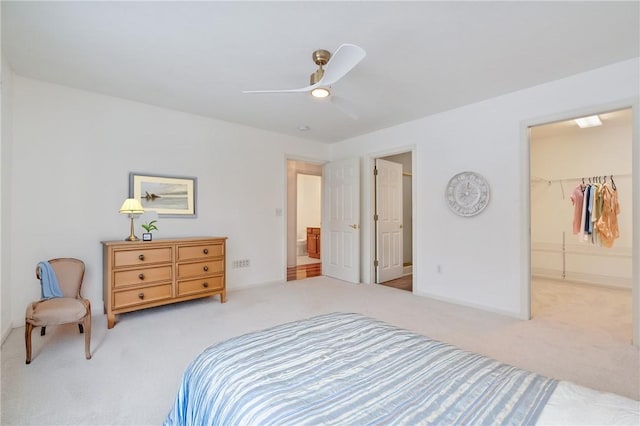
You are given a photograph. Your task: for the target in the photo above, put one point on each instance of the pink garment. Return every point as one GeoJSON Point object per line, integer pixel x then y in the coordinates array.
{"type": "Point", "coordinates": [577, 198]}
{"type": "Point", "coordinates": [608, 222]}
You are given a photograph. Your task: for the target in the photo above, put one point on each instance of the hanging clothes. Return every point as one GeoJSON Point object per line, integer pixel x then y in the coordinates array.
{"type": "Point", "coordinates": [588, 206]}
{"type": "Point", "coordinates": [581, 234]}
{"type": "Point", "coordinates": [595, 213]}
{"type": "Point", "coordinates": [608, 222]}
{"type": "Point", "coordinates": [577, 197]}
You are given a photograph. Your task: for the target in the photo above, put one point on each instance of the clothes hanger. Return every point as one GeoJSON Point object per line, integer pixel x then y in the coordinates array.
{"type": "Point", "coordinates": [613, 184]}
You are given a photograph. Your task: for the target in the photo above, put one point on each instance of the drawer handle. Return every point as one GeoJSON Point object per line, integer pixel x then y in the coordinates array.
{"type": "Point", "coordinates": [206, 268]}
{"type": "Point", "coordinates": [141, 257]}
{"type": "Point", "coordinates": [141, 276]}
{"type": "Point", "coordinates": [205, 251]}
{"type": "Point", "coordinates": [140, 296]}
{"type": "Point", "coordinates": [205, 285]}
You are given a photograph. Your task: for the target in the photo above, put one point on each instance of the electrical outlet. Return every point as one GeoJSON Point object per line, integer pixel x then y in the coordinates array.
{"type": "Point", "coordinates": [241, 263]}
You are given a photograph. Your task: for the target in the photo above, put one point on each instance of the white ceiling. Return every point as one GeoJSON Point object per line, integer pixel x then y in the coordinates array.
{"type": "Point", "coordinates": [422, 57]}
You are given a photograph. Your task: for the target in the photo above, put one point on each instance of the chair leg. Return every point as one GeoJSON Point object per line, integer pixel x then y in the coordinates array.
{"type": "Point", "coordinates": [43, 330]}
{"type": "Point", "coordinates": [80, 328]}
{"type": "Point", "coordinates": [27, 339]}
{"type": "Point", "coordinates": [87, 335]}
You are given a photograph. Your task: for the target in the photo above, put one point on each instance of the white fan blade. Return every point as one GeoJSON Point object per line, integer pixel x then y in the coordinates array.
{"type": "Point", "coordinates": [345, 106]}
{"type": "Point", "coordinates": [342, 61]}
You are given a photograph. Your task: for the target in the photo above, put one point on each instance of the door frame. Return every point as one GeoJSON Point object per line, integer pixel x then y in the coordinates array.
{"type": "Point", "coordinates": [369, 208]}
{"type": "Point", "coordinates": [525, 230]}
{"type": "Point", "coordinates": [292, 210]}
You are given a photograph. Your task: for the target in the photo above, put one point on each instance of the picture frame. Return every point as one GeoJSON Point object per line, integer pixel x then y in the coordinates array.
{"type": "Point", "coordinates": [168, 196]}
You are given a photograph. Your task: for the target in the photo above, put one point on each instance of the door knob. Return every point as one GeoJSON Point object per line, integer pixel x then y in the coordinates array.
{"type": "Point", "coordinates": [354, 226]}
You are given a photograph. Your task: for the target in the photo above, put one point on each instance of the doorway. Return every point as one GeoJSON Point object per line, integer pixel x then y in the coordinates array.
{"type": "Point", "coordinates": [393, 207]}
{"type": "Point", "coordinates": [304, 216]}
{"type": "Point", "coordinates": [582, 268]}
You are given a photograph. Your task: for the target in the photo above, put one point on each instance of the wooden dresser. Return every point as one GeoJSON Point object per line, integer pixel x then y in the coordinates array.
{"type": "Point", "coordinates": [139, 275]}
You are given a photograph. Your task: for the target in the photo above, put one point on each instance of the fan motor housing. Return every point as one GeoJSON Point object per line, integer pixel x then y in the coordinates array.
{"type": "Point", "coordinates": [320, 57]}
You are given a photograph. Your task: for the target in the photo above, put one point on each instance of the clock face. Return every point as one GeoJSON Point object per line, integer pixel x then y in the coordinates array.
{"type": "Point", "coordinates": [467, 194]}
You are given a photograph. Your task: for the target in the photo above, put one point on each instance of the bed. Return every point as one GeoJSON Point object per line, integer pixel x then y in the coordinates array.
{"type": "Point", "coordinates": [346, 368]}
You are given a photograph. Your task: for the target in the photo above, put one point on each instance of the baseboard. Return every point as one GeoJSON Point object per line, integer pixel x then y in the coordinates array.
{"type": "Point", "coordinates": [254, 285]}
{"type": "Point", "coordinates": [408, 270]}
{"type": "Point", "coordinates": [515, 315]}
{"type": "Point", "coordinates": [582, 278]}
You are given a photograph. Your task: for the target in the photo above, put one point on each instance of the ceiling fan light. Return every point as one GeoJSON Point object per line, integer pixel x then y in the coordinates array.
{"type": "Point", "coordinates": [320, 92]}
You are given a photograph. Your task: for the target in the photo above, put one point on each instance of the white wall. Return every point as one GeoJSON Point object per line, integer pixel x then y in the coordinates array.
{"type": "Point", "coordinates": [586, 152]}
{"type": "Point", "coordinates": [6, 77]}
{"type": "Point", "coordinates": [73, 151]}
{"type": "Point", "coordinates": [479, 261]}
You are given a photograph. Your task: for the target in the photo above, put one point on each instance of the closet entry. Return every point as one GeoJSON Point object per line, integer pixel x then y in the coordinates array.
{"type": "Point", "coordinates": [581, 223]}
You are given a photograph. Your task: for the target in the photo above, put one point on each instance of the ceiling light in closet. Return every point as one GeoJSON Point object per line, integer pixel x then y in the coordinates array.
{"type": "Point", "coordinates": [591, 121]}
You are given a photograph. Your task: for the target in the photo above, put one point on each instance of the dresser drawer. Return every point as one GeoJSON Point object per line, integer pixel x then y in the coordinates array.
{"type": "Point", "coordinates": [140, 296]}
{"type": "Point", "coordinates": [201, 251]}
{"type": "Point", "coordinates": [141, 256]}
{"type": "Point", "coordinates": [196, 269]}
{"type": "Point", "coordinates": [142, 276]}
{"type": "Point", "coordinates": [201, 285]}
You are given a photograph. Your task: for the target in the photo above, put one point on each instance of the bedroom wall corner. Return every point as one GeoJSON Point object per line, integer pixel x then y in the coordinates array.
{"type": "Point", "coordinates": [6, 84]}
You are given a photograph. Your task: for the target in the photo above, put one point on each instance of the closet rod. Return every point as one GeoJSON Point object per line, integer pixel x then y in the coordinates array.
{"type": "Point", "coordinates": [536, 178]}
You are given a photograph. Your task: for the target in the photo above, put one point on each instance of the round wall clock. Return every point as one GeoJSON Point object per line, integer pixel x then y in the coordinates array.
{"type": "Point", "coordinates": [467, 193]}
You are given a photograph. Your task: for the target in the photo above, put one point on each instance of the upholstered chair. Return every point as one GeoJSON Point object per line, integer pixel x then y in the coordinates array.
{"type": "Point", "coordinates": [72, 308]}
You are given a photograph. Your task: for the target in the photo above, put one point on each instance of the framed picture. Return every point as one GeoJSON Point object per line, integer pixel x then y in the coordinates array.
{"type": "Point", "coordinates": [169, 196]}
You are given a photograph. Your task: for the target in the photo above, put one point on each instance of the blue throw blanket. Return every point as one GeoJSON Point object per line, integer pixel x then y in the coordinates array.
{"type": "Point", "coordinates": [50, 287]}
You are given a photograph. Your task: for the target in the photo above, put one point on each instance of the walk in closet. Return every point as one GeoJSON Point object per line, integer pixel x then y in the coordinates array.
{"type": "Point", "coordinates": [581, 222]}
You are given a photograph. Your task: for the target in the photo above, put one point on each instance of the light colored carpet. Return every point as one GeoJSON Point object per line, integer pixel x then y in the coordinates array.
{"type": "Point", "coordinates": [606, 310]}
{"type": "Point", "coordinates": [136, 367]}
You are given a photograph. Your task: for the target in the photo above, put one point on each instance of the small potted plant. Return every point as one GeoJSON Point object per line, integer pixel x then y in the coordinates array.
{"type": "Point", "coordinates": [150, 226]}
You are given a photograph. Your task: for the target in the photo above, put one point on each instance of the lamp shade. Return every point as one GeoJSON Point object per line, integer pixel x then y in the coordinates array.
{"type": "Point", "coordinates": [131, 206]}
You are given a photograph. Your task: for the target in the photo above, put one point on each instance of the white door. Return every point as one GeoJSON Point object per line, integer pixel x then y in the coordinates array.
{"type": "Point", "coordinates": [388, 178]}
{"type": "Point", "coordinates": [340, 233]}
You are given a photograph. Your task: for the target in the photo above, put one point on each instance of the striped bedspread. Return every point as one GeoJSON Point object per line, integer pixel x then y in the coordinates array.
{"type": "Point", "coordinates": [345, 368]}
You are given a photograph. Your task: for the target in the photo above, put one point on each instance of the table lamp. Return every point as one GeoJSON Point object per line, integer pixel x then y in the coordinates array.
{"type": "Point", "coordinates": [131, 206]}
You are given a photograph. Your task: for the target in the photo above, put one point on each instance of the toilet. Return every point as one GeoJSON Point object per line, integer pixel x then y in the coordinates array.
{"type": "Point", "coordinates": [302, 247]}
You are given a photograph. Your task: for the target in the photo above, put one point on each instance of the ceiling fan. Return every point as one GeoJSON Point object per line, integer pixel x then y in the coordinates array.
{"type": "Point", "coordinates": [331, 68]}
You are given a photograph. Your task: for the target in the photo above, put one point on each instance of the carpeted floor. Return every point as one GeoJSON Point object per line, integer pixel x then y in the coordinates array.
{"type": "Point", "coordinates": [136, 367]}
{"type": "Point", "coordinates": [599, 309]}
